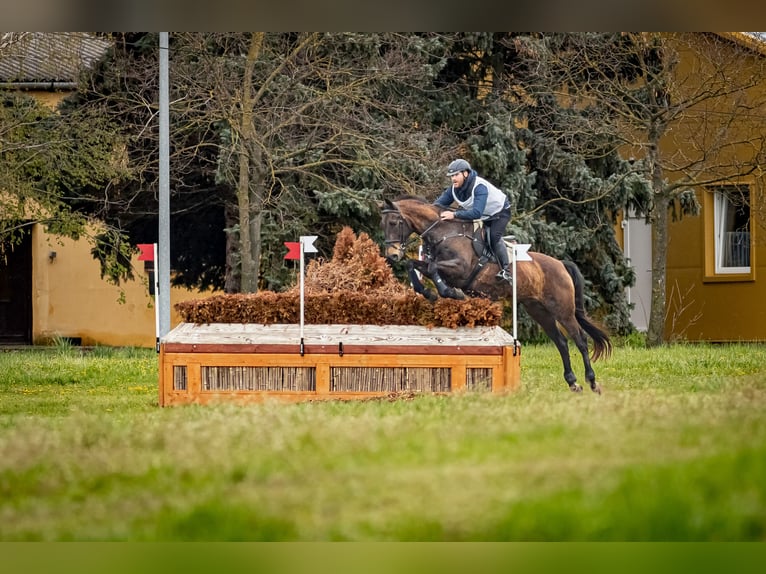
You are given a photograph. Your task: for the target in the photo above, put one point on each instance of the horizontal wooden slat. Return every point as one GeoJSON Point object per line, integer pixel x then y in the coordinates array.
{"type": "Point", "coordinates": [333, 335]}
{"type": "Point", "coordinates": [254, 349]}
{"type": "Point", "coordinates": [332, 349]}
{"type": "Point", "coordinates": [295, 360]}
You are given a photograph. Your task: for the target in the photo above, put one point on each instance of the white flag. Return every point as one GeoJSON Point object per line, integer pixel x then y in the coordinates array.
{"type": "Point", "coordinates": [308, 243]}
{"type": "Point", "coordinates": [521, 251]}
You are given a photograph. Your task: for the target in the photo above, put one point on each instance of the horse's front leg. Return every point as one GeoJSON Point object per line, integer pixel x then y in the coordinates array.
{"type": "Point", "coordinates": [431, 270]}
{"type": "Point", "coordinates": [434, 273]}
{"type": "Point", "coordinates": [413, 267]}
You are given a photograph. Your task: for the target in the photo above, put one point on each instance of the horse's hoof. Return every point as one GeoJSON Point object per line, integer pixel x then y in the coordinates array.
{"type": "Point", "coordinates": [459, 294]}
{"type": "Point", "coordinates": [575, 388]}
{"type": "Point", "coordinates": [595, 388]}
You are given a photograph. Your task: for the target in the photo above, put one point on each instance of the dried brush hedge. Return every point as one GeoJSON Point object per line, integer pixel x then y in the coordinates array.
{"type": "Point", "coordinates": [356, 286]}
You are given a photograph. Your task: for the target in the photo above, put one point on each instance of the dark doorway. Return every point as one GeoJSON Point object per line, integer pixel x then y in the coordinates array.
{"type": "Point", "coordinates": [16, 292]}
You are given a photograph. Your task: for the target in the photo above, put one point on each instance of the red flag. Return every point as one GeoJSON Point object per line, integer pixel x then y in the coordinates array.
{"type": "Point", "coordinates": [147, 251]}
{"type": "Point", "coordinates": [293, 249]}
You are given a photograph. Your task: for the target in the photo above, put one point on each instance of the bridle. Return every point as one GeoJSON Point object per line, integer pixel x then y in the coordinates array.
{"type": "Point", "coordinates": [405, 241]}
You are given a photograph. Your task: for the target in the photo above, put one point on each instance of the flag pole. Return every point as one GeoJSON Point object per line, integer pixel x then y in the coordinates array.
{"type": "Point", "coordinates": [156, 299]}
{"type": "Point", "coordinates": [163, 260]}
{"type": "Point", "coordinates": [513, 263]}
{"type": "Point", "coordinates": [296, 250]}
{"type": "Point", "coordinates": [302, 258]}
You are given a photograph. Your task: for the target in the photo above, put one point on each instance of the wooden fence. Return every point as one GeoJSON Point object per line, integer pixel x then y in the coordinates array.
{"type": "Point", "coordinates": [252, 363]}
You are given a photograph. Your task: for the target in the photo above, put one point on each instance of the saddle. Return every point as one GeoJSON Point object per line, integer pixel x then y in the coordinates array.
{"type": "Point", "coordinates": [481, 245]}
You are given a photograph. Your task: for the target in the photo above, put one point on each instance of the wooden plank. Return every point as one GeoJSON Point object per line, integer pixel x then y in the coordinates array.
{"type": "Point", "coordinates": [270, 349]}
{"type": "Point", "coordinates": [193, 378]}
{"type": "Point", "coordinates": [288, 360]}
{"type": "Point", "coordinates": [164, 368]}
{"type": "Point", "coordinates": [333, 335]}
{"type": "Point", "coordinates": [458, 376]}
{"type": "Point", "coordinates": [258, 397]}
{"type": "Point", "coordinates": [323, 377]}
{"type": "Point", "coordinates": [510, 373]}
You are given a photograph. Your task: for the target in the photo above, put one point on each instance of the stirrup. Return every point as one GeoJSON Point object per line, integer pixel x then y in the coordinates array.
{"type": "Point", "coordinates": [504, 275]}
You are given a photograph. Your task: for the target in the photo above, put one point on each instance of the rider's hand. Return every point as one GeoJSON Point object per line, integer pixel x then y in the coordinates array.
{"type": "Point", "coordinates": [447, 215]}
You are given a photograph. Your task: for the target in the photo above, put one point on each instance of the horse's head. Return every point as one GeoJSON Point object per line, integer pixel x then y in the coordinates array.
{"type": "Point", "coordinates": [396, 230]}
{"type": "Point", "coordinates": [403, 217]}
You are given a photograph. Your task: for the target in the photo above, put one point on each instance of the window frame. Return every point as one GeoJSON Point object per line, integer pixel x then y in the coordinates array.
{"type": "Point", "coordinates": [711, 207]}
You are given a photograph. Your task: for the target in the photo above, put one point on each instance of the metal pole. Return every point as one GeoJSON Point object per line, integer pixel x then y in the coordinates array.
{"type": "Point", "coordinates": [163, 270]}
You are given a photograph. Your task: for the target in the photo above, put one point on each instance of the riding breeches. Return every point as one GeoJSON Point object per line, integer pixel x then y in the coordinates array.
{"type": "Point", "coordinates": [495, 230]}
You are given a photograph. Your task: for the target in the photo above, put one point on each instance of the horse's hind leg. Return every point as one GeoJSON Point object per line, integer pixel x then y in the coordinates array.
{"type": "Point", "coordinates": [580, 341]}
{"type": "Point", "coordinates": [548, 323]}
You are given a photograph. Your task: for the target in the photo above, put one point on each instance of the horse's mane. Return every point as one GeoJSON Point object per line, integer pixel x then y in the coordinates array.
{"type": "Point", "coordinates": [412, 198]}
{"type": "Point", "coordinates": [420, 204]}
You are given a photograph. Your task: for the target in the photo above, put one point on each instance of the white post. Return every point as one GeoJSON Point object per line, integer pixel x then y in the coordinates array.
{"type": "Point", "coordinates": [302, 258]}
{"type": "Point", "coordinates": [513, 265]}
{"type": "Point", "coordinates": [156, 299]}
{"type": "Point", "coordinates": [518, 253]}
{"type": "Point", "coordinates": [307, 246]}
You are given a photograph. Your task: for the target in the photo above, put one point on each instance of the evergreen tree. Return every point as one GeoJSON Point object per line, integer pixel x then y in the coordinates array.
{"type": "Point", "coordinates": [682, 104]}
{"type": "Point", "coordinates": [564, 176]}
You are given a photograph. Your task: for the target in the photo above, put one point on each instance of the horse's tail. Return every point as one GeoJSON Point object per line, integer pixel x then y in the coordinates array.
{"type": "Point", "coordinates": [602, 345]}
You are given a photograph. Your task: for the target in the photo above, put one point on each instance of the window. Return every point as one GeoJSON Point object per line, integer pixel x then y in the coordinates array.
{"type": "Point", "coordinates": [728, 233]}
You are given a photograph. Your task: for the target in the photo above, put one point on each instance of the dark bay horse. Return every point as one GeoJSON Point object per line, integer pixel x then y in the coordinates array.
{"type": "Point", "coordinates": [550, 290]}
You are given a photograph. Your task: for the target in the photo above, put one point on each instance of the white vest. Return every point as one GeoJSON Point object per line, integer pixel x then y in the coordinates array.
{"type": "Point", "coordinates": [495, 198]}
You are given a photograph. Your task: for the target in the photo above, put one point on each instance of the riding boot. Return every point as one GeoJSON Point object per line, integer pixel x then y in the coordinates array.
{"type": "Point", "coordinates": [501, 252]}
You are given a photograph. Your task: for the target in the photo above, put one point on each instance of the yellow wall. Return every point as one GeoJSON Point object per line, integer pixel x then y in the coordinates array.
{"type": "Point", "coordinates": [49, 99]}
{"type": "Point", "coordinates": [722, 308]}
{"type": "Point", "coordinates": [704, 309]}
{"type": "Point", "coordinates": [70, 299]}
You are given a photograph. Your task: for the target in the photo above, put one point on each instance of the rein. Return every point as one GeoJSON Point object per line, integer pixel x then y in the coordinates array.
{"type": "Point", "coordinates": [405, 242]}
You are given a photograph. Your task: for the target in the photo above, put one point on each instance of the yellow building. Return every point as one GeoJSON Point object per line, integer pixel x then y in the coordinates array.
{"type": "Point", "coordinates": [51, 287]}
{"type": "Point", "coordinates": [715, 287]}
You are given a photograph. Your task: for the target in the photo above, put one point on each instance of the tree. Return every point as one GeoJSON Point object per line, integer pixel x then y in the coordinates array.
{"type": "Point", "coordinates": [300, 133]}
{"type": "Point", "coordinates": [281, 133]}
{"type": "Point", "coordinates": [561, 170]}
{"type": "Point", "coordinates": [683, 105]}
{"type": "Point", "coordinates": [40, 156]}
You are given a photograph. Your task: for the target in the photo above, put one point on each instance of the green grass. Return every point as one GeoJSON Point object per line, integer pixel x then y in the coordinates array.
{"type": "Point", "coordinates": [675, 449]}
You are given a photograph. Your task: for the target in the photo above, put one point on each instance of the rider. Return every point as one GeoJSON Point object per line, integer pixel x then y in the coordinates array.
{"type": "Point", "coordinates": [477, 198]}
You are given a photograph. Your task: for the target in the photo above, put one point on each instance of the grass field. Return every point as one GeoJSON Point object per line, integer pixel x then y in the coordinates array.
{"type": "Point", "coordinates": [675, 449]}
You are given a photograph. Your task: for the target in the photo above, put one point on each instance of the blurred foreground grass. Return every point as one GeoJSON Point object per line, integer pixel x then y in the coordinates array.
{"type": "Point", "coordinates": [675, 449]}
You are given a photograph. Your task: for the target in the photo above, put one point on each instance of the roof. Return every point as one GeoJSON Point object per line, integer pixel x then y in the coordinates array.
{"type": "Point", "coordinates": [753, 40]}
{"type": "Point", "coordinates": [54, 58]}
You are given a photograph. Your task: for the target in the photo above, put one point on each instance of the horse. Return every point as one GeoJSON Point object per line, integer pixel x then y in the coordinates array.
{"type": "Point", "coordinates": [458, 262]}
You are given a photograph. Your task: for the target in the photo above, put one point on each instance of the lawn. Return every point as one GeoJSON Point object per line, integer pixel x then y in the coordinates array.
{"type": "Point", "coordinates": [674, 449]}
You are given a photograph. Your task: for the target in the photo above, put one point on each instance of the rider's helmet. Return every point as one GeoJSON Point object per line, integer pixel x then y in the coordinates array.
{"type": "Point", "coordinates": [457, 166]}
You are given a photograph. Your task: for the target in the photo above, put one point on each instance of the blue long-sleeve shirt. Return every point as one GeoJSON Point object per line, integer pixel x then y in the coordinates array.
{"type": "Point", "coordinates": [480, 194]}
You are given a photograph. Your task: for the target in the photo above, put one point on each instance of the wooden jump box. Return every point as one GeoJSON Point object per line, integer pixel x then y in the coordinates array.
{"type": "Point", "coordinates": [252, 363]}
